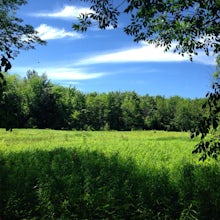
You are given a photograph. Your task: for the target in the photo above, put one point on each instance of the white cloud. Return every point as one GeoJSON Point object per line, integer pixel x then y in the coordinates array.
{"type": "Point", "coordinates": [70, 74]}
{"type": "Point", "coordinates": [58, 73]}
{"type": "Point", "coordinates": [204, 59]}
{"type": "Point", "coordinates": [146, 53]}
{"type": "Point", "coordinates": [68, 12]}
{"type": "Point", "coordinates": [46, 32]}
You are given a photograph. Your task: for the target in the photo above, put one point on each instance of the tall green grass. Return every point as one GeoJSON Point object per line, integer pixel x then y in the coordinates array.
{"type": "Point", "coordinates": [46, 174]}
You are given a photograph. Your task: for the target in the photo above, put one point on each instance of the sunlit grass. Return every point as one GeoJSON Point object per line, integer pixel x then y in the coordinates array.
{"type": "Point", "coordinates": [47, 174]}
{"type": "Point", "coordinates": [146, 148]}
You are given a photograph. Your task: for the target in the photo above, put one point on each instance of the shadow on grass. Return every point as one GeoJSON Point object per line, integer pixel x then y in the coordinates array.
{"type": "Point", "coordinates": [72, 184]}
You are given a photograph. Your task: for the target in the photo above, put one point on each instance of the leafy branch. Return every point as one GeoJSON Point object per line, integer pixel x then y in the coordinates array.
{"type": "Point", "coordinates": [208, 129]}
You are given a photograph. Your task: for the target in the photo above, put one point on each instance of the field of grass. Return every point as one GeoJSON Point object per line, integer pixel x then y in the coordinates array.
{"type": "Point", "coordinates": [46, 174]}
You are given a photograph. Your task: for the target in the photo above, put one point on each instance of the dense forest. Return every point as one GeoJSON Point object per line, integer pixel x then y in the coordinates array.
{"type": "Point", "coordinates": [35, 102]}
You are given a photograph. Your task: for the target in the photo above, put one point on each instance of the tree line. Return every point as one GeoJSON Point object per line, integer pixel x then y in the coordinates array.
{"type": "Point", "coordinates": [35, 102]}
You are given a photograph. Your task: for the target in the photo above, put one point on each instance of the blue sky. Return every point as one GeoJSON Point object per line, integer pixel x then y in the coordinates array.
{"type": "Point", "coordinates": [106, 60]}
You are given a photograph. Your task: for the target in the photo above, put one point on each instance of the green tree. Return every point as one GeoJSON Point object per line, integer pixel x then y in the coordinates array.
{"type": "Point", "coordinates": [96, 106]}
{"type": "Point", "coordinates": [77, 106]}
{"type": "Point", "coordinates": [174, 103]}
{"type": "Point", "coordinates": [14, 36]}
{"type": "Point", "coordinates": [131, 112]}
{"type": "Point", "coordinates": [188, 114]}
{"type": "Point", "coordinates": [148, 108]}
{"type": "Point", "coordinates": [164, 112]}
{"type": "Point", "coordinates": [59, 113]}
{"type": "Point", "coordinates": [11, 112]}
{"type": "Point", "coordinates": [160, 115]}
{"type": "Point", "coordinates": [45, 107]}
{"type": "Point", "coordinates": [114, 118]}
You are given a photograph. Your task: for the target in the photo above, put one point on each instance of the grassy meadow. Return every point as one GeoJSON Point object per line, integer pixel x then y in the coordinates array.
{"type": "Point", "coordinates": [47, 174]}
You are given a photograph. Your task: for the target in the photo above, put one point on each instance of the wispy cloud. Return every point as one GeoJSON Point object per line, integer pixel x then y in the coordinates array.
{"type": "Point", "coordinates": [63, 74]}
{"type": "Point", "coordinates": [46, 32]}
{"type": "Point", "coordinates": [145, 53]}
{"type": "Point", "coordinates": [68, 12]}
{"type": "Point", "coordinates": [71, 74]}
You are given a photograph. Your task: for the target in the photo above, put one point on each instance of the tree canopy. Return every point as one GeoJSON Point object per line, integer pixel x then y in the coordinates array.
{"type": "Point", "coordinates": [35, 102]}
{"type": "Point", "coordinates": [192, 25]}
